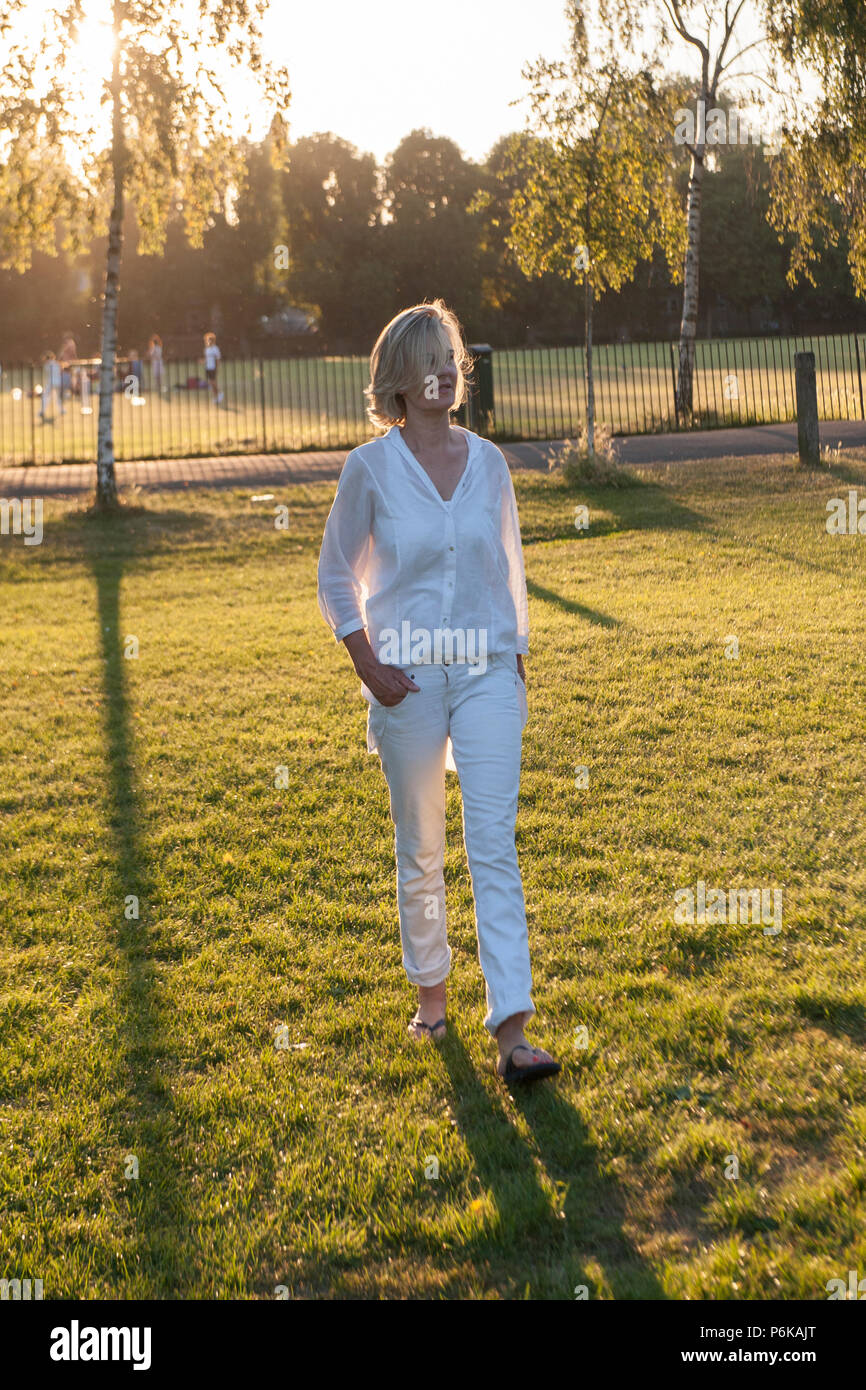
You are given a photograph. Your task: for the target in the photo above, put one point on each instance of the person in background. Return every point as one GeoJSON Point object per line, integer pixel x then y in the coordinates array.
{"type": "Point", "coordinates": [154, 357]}
{"type": "Point", "coordinates": [68, 354]}
{"type": "Point", "coordinates": [212, 357]}
{"type": "Point", "coordinates": [136, 369]}
{"type": "Point", "coordinates": [52, 385]}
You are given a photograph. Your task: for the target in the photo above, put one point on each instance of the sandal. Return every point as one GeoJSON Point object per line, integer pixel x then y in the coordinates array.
{"type": "Point", "coordinates": [513, 1074]}
{"type": "Point", "coordinates": [429, 1029]}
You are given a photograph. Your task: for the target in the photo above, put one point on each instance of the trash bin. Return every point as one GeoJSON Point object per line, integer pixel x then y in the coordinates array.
{"type": "Point", "coordinates": [477, 412]}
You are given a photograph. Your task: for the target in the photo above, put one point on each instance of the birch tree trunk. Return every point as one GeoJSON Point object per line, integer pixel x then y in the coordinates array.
{"type": "Point", "coordinates": [711, 74]}
{"type": "Point", "coordinates": [106, 485]}
{"type": "Point", "coordinates": [590, 381]}
{"type": "Point", "coordinates": [689, 321]}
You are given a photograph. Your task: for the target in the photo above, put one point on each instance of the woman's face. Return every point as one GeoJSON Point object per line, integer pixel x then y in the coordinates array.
{"type": "Point", "coordinates": [439, 389]}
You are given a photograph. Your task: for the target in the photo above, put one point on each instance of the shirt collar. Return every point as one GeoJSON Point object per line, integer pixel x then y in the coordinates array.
{"type": "Point", "coordinates": [398, 442]}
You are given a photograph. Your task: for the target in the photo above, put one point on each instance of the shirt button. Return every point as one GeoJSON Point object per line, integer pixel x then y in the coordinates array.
{"type": "Point", "coordinates": [450, 547]}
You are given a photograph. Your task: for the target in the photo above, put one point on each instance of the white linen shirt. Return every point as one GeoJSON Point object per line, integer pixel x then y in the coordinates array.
{"type": "Point", "coordinates": [394, 552]}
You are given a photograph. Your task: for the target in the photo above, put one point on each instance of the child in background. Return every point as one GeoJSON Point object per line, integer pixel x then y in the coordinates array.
{"type": "Point", "coordinates": [154, 356]}
{"type": "Point", "coordinates": [52, 379]}
{"type": "Point", "coordinates": [136, 369]}
{"type": "Point", "coordinates": [212, 356]}
{"type": "Point", "coordinates": [68, 375]}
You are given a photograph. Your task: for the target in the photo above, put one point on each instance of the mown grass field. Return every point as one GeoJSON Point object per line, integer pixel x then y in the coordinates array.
{"type": "Point", "coordinates": [318, 403]}
{"type": "Point", "coordinates": [264, 907]}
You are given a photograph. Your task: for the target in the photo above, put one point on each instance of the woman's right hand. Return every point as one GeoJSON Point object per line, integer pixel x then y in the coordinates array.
{"type": "Point", "coordinates": [389, 684]}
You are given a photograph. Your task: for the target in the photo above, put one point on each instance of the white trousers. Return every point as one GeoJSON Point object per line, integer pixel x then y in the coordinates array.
{"type": "Point", "coordinates": [481, 714]}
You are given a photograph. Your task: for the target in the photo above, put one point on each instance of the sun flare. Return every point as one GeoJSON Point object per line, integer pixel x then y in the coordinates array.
{"type": "Point", "coordinates": [92, 53]}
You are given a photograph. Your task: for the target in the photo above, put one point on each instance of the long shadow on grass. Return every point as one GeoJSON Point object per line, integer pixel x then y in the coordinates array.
{"type": "Point", "coordinates": [537, 1245]}
{"type": "Point", "coordinates": [845, 472]}
{"type": "Point", "coordinates": [833, 1013]}
{"type": "Point", "coordinates": [569, 606]}
{"type": "Point", "coordinates": [638, 506]}
{"type": "Point", "coordinates": [155, 1200]}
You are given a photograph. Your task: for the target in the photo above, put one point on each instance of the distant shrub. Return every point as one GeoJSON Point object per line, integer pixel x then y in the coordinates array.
{"type": "Point", "coordinates": [575, 464]}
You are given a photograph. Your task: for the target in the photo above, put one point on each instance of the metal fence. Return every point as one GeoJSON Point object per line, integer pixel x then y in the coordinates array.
{"type": "Point", "coordinates": [296, 404]}
{"type": "Point", "coordinates": [738, 381]}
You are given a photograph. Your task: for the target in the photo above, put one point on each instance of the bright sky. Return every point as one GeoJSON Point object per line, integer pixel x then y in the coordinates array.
{"type": "Point", "coordinates": [372, 70]}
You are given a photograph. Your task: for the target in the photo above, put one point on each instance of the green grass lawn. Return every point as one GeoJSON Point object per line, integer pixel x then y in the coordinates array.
{"type": "Point", "coordinates": [265, 908]}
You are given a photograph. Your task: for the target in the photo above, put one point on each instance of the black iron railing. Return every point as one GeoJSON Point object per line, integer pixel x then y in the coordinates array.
{"type": "Point", "coordinates": [264, 405]}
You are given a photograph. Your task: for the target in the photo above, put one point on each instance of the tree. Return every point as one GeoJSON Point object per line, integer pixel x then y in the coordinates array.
{"type": "Point", "coordinates": [741, 259]}
{"type": "Point", "coordinates": [170, 143]}
{"type": "Point", "coordinates": [338, 266]}
{"type": "Point", "coordinates": [431, 236]}
{"type": "Point", "coordinates": [716, 63]}
{"type": "Point", "coordinates": [820, 186]}
{"type": "Point", "coordinates": [514, 309]}
{"type": "Point", "coordinates": [599, 191]}
{"type": "Point", "coordinates": [242, 268]}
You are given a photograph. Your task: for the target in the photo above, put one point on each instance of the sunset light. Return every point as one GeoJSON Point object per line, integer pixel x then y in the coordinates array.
{"type": "Point", "coordinates": [432, 633]}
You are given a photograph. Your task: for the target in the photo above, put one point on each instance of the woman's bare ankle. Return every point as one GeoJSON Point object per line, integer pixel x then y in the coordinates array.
{"type": "Point", "coordinates": [510, 1033]}
{"type": "Point", "coordinates": [431, 1001]}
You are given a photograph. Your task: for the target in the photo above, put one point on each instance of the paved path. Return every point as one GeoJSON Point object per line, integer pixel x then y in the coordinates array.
{"type": "Point", "coordinates": [738, 443]}
{"type": "Point", "coordinates": [276, 470]}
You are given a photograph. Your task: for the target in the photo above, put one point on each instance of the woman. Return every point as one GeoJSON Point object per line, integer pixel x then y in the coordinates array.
{"type": "Point", "coordinates": [421, 577]}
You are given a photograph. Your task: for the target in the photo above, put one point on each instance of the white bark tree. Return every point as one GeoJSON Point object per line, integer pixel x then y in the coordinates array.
{"type": "Point", "coordinates": [174, 142]}
{"type": "Point", "coordinates": [716, 63]}
{"type": "Point", "coordinates": [598, 193]}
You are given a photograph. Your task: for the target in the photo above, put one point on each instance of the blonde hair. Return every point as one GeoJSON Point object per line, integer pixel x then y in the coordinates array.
{"type": "Point", "coordinates": [414, 345]}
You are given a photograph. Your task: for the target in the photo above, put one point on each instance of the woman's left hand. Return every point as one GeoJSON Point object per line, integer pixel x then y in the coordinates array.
{"type": "Point", "coordinates": [520, 671]}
